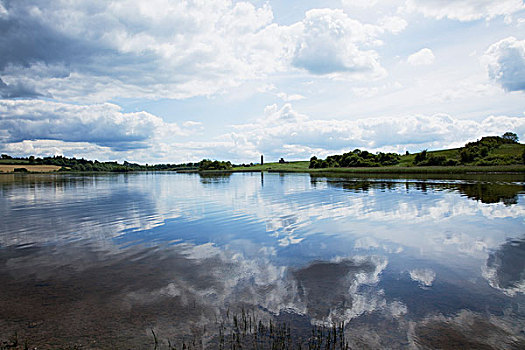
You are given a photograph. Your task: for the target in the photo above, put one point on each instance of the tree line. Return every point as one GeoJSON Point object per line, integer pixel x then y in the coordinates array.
{"type": "Point", "coordinates": [355, 158]}
{"type": "Point", "coordinates": [81, 165]}
{"type": "Point", "coordinates": [473, 153]}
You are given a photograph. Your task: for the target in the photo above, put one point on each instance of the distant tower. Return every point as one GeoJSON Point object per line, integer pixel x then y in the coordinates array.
{"type": "Point", "coordinates": [262, 160]}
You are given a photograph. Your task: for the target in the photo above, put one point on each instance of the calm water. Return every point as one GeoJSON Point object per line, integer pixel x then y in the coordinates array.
{"type": "Point", "coordinates": [100, 261]}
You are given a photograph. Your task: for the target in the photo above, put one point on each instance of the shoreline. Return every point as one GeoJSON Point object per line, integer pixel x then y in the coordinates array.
{"type": "Point", "coordinates": [280, 168]}
{"type": "Point", "coordinates": [510, 169]}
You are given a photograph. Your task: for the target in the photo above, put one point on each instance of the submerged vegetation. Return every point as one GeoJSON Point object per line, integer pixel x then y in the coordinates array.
{"type": "Point", "coordinates": [237, 331]}
{"type": "Point", "coordinates": [246, 331]}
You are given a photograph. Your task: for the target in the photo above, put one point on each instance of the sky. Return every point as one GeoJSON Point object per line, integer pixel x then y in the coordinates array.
{"type": "Point", "coordinates": [161, 81]}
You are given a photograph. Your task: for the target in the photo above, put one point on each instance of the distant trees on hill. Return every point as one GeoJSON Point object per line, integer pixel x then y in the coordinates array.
{"type": "Point", "coordinates": [356, 158]}
{"type": "Point", "coordinates": [84, 165]}
{"type": "Point", "coordinates": [207, 164]}
{"type": "Point", "coordinates": [473, 153]}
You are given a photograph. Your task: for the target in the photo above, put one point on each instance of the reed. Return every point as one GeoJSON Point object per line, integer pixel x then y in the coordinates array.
{"type": "Point", "coordinates": [244, 330]}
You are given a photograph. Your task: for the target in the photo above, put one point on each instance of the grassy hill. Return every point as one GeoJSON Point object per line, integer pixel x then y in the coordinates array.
{"type": "Point", "coordinates": [505, 157]}
{"type": "Point", "coordinates": [507, 154]}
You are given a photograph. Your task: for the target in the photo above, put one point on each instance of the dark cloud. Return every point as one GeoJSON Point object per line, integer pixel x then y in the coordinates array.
{"type": "Point", "coordinates": [16, 90]}
{"type": "Point", "coordinates": [104, 124]}
{"type": "Point", "coordinates": [97, 45]}
{"type": "Point", "coordinates": [100, 49]}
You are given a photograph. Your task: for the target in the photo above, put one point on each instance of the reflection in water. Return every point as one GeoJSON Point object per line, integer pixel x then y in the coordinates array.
{"type": "Point", "coordinates": [214, 178]}
{"type": "Point", "coordinates": [425, 277]}
{"type": "Point", "coordinates": [506, 193]}
{"type": "Point", "coordinates": [463, 332]}
{"type": "Point", "coordinates": [107, 258]}
{"type": "Point", "coordinates": [505, 269]}
{"type": "Point", "coordinates": [332, 291]}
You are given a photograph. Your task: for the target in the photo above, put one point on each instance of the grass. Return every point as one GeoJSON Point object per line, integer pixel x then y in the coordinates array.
{"type": "Point", "coordinates": [514, 150]}
{"type": "Point", "coordinates": [406, 165]}
{"type": "Point", "coordinates": [291, 166]}
{"type": "Point", "coordinates": [5, 168]}
{"type": "Point", "coordinates": [397, 169]}
{"type": "Point", "coordinates": [14, 161]}
{"type": "Point", "coordinates": [509, 150]}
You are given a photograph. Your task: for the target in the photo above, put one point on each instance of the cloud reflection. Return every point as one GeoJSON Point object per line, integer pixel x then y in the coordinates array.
{"type": "Point", "coordinates": [505, 267]}
{"type": "Point", "coordinates": [425, 277]}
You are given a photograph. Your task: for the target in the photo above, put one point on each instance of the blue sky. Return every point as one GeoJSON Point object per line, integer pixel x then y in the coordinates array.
{"type": "Point", "coordinates": [156, 81]}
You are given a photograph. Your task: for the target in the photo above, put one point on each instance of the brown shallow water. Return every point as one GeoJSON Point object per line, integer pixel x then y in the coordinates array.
{"type": "Point", "coordinates": [101, 261]}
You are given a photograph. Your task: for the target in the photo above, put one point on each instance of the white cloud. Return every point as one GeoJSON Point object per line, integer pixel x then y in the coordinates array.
{"type": "Point", "coordinates": [421, 58]}
{"type": "Point", "coordinates": [284, 132]}
{"type": "Point", "coordinates": [464, 10]}
{"type": "Point", "coordinates": [96, 50]}
{"type": "Point", "coordinates": [393, 24]}
{"type": "Point", "coordinates": [105, 132]}
{"type": "Point", "coordinates": [359, 3]}
{"type": "Point", "coordinates": [330, 42]}
{"type": "Point", "coordinates": [505, 62]}
{"type": "Point", "coordinates": [289, 98]}
{"type": "Point", "coordinates": [103, 124]}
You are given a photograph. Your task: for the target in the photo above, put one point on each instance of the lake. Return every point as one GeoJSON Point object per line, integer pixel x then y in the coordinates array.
{"type": "Point", "coordinates": [134, 260]}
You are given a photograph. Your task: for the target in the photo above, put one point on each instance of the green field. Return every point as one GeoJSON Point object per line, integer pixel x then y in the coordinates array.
{"type": "Point", "coordinates": [406, 164]}
{"type": "Point", "coordinates": [302, 166]}
{"type": "Point", "coordinates": [507, 150]}
{"type": "Point", "coordinates": [14, 161]}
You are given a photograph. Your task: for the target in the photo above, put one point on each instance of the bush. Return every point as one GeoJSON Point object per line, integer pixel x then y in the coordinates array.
{"type": "Point", "coordinates": [420, 157]}
{"type": "Point", "coordinates": [433, 161]}
{"type": "Point", "coordinates": [356, 158]}
{"type": "Point", "coordinates": [207, 164]}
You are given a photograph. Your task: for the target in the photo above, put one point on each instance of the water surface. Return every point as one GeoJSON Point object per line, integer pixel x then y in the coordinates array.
{"type": "Point", "coordinates": [98, 261]}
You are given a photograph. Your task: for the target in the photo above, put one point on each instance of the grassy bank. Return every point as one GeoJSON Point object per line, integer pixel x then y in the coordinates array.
{"type": "Point", "coordinates": [302, 166]}
{"type": "Point", "coordinates": [10, 168]}
{"type": "Point", "coordinates": [508, 158]}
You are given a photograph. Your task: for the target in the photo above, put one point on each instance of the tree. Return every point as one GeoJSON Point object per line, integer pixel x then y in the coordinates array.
{"type": "Point", "coordinates": [420, 156]}
{"type": "Point", "coordinates": [510, 137]}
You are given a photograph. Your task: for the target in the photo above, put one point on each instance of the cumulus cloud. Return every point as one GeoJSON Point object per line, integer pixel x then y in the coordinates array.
{"type": "Point", "coordinates": [464, 10]}
{"type": "Point", "coordinates": [359, 3]}
{"type": "Point", "coordinates": [330, 43]}
{"type": "Point", "coordinates": [285, 132]}
{"type": "Point", "coordinates": [393, 24]}
{"type": "Point", "coordinates": [16, 90]}
{"type": "Point", "coordinates": [96, 50]}
{"type": "Point", "coordinates": [421, 58]}
{"type": "Point", "coordinates": [103, 125]}
{"type": "Point", "coordinates": [138, 48]}
{"type": "Point", "coordinates": [104, 132]}
{"type": "Point", "coordinates": [505, 62]}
